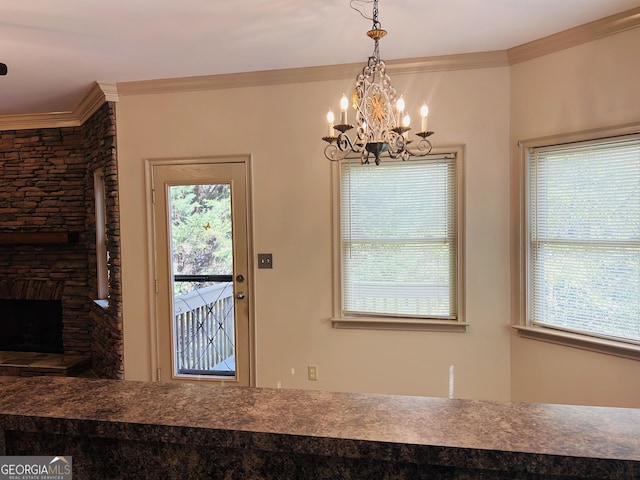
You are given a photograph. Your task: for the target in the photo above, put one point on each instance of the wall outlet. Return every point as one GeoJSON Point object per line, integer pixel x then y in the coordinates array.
{"type": "Point", "coordinates": [312, 372]}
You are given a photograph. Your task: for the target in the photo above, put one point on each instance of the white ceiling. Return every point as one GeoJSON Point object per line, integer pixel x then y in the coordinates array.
{"type": "Point", "coordinates": [56, 50]}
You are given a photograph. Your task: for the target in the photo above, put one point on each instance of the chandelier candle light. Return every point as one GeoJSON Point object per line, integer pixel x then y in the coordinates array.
{"type": "Point", "coordinates": [382, 125]}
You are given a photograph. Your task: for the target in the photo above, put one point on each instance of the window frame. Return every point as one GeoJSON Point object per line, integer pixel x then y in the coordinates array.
{"type": "Point", "coordinates": [551, 334]}
{"type": "Point", "coordinates": [387, 322]}
{"type": "Point", "coordinates": [102, 252]}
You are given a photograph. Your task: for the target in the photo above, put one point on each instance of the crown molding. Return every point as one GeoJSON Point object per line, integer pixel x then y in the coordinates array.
{"type": "Point", "coordinates": [38, 120]}
{"type": "Point", "coordinates": [462, 61]}
{"type": "Point", "coordinates": [99, 94]}
{"type": "Point", "coordinates": [573, 37]}
{"type": "Point", "coordinates": [310, 74]}
{"type": "Point", "coordinates": [235, 80]}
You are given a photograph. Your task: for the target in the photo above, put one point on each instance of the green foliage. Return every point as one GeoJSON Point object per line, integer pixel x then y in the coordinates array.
{"type": "Point", "coordinates": [201, 236]}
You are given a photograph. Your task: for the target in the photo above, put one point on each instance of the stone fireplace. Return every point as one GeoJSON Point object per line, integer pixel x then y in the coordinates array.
{"type": "Point", "coordinates": [47, 238]}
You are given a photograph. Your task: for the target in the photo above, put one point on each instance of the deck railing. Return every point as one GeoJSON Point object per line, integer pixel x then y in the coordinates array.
{"type": "Point", "coordinates": [204, 331]}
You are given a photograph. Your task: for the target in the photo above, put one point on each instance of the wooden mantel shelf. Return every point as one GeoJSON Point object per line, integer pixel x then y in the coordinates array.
{"type": "Point", "coordinates": [26, 238]}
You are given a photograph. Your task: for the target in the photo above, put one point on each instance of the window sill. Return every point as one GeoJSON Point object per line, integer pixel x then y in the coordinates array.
{"type": "Point", "coordinates": [585, 342]}
{"type": "Point", "coordinates": [372, 323]}
{"type": "Point", "coordinates": [102, 303]}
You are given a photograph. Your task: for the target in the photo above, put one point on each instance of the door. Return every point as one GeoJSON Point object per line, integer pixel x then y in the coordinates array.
{"type": "Point", "coordinates": [201, 251]}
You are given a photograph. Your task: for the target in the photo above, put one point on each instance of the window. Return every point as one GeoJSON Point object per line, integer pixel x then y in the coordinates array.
{"type": "Point", "coordinates": [102, 254]}
{"type": "Point", "coordinates": [583, 238]}
{"type": "Point", "coordinates": [398, 254]}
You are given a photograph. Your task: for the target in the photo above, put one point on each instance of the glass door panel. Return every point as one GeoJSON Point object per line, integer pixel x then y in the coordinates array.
{"type": "Point", "coordinates": [202, 271]}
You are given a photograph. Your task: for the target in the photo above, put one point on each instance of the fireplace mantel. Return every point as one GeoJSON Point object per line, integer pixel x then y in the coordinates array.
{"type": "Point", "coordinates": [28, 238]}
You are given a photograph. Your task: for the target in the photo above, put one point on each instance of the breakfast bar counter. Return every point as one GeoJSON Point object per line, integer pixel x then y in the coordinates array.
{"type": "Point", "coordinates": [126, 429]}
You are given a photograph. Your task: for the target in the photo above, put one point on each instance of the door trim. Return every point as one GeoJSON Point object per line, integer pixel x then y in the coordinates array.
{"type": "Point", "coordinates": [149, 164]}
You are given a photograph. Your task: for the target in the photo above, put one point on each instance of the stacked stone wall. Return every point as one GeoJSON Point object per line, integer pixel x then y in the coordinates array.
{"type": "Point", "coordinates": [42, 188]}
{"type": "Point", "coordinates": [100, 149]}
{"type": "Point", "coordinates": [46, 186]}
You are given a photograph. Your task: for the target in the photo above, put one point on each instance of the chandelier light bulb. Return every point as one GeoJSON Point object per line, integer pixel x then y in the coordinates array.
{"type": "Point", "coordinates": [344, 106]}
{"type": "Point", "coordinates": [399, 110]}
{"type": "Point", "coordinates": [406, 121]}
{"type": "Point", "coordinates": [424, 112]}
{"type": "Point", "coordinates": [330, 119]}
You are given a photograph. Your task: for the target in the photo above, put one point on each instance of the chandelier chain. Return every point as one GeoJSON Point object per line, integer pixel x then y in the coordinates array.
{"type": "Point", "coordinates": [360, 6]}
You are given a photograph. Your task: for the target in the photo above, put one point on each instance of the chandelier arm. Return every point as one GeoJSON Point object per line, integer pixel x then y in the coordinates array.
{"type": "Point", "coordinates": [333, 153]}
{"type": "Point", "coordinates": [422, 147]}
{"type": "Point", "coordinates": [342, 148]}
{"type": "Point", "coordinates": [344, 142]}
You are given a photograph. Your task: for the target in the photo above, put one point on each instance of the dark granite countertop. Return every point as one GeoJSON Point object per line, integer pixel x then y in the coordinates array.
{"type": "Point", "coordinates": [412, 429]}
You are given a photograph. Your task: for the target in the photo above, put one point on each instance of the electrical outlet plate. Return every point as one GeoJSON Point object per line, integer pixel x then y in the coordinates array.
{"type": "Point", "coordinates": [312, 372]}
{"type": "Point", "coordinates": [265, 260]}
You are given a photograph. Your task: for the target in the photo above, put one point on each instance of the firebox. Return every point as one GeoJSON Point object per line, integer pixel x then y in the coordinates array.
{"type": "Point", "coordinates": [31, 326]}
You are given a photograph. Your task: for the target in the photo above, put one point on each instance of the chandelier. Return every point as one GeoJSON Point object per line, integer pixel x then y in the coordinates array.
{"type": "Point", "coordinates": [382, 125]}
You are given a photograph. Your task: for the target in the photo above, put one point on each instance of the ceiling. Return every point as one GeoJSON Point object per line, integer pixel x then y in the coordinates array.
{"type": "Point", "coordinates": [56, 50]}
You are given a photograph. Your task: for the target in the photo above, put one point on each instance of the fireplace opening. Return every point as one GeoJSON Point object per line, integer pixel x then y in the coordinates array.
{"type": "Point", "coordinates": [31, 326]}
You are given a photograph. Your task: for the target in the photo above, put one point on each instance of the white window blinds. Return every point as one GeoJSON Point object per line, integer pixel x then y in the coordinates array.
{"type": "Point", "coordinates": [584, 241]}
{"type": "Point", "coordinates": [399, 238]}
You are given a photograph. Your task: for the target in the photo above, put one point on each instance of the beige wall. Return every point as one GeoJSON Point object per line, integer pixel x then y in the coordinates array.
{"type": "Point", "coordinates": [590, 86]}
{"type": "Point", "coordinates": [488, 110]}
{"type": "Point", "coordinates": [281, 126]}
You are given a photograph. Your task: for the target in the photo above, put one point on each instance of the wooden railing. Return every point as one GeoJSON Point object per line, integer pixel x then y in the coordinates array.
{"type": "Point", "coordinates": [204, 331]}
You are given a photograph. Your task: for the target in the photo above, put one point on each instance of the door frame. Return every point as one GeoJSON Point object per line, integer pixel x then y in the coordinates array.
{"type": "Point", "coordinates": [149, 164]}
